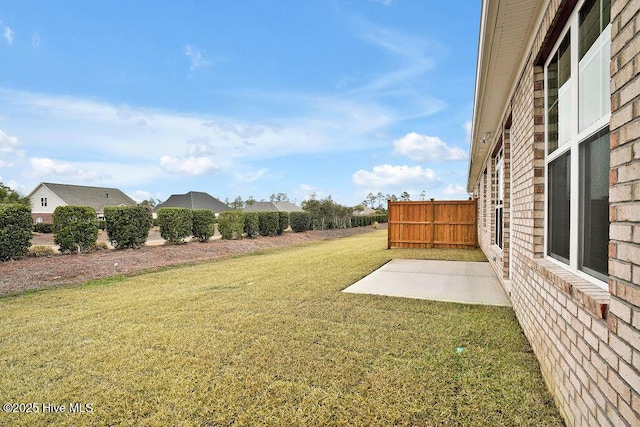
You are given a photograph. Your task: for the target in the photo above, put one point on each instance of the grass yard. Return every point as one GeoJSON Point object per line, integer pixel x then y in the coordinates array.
{"type": "Point", "coordinates": [267, 339]}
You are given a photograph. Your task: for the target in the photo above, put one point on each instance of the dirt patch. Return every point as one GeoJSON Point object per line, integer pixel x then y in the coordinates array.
{"type": "Point", "coordinates": [36, 273]}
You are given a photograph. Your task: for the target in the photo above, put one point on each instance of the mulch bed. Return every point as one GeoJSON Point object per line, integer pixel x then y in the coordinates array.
{"type": "Point", "coordinates": [37, 273]}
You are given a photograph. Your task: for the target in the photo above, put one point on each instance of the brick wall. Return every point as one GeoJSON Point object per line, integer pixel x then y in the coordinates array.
{"type": "Point", "coordinates": [624, 213]}
{"type": "Point", "coordinates": [586, 339]}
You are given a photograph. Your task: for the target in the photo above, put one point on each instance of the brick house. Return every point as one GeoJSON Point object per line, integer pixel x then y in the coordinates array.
{"type": "Point", "coordinates": [555, 167]}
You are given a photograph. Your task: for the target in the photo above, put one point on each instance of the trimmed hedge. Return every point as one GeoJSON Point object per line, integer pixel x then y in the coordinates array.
{"type": "Point", "coordinates": [283, 222]}
{"type": "Point", "coordinates": [203, 224]}
{"type": "Point", "coordinates": [268, 223]}
{"type": "Point", "coordinates": [231, 224]}
{"type": "Point", "coordinates": [175, 224]}
{"type": "Point", "coordinates": [364, 220]}
{"type": "Point", "coordinates": [75, 228]}
{"type": "Point", "coordinates": [251, 224]}
{"type": "Point", "coordinates": [127, 226]}
{"type": "Point", "coordinates": [15, 230]}
{"type": "Point", "coordinates": [300, 221]}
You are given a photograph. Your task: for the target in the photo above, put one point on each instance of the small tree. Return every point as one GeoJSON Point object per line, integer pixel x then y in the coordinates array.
{"type": "Point", "coordinates": [7, 195]}
{"type": "Point", "coordinates": [203, 224]}
{"type": "Point", "coordinates": [128, 226]}
{"type": "Point", "coordinates": [75, 228]}
{"type": "Point", "coordinates": [175, 224]}
{"type": "Point", "coordinates": [231, 225]}
{"type": "Point", "coordinates": [15, 230]}
{"type": "Point", "coordinates": [251, 224]}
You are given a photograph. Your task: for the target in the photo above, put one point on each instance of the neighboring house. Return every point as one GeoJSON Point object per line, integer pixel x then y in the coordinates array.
{"type": "Point", "coordinates": [47, 196]}
{"type": "Point", "coordinates": [555, 166]}
{"type": "Point", "coordinates": [272, 206]}
{"type": "Point", "coordinates": [193, 200]}
{"type": "Point", "coordinates": [366, 210]}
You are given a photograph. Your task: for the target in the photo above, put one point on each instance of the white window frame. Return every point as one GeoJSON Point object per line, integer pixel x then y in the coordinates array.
{"type": "Point", "coordinates": [573, 145]}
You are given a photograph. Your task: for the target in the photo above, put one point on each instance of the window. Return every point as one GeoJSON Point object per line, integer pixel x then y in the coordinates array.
{"type": "Point", "coordinates": [499, 196]}
{"type": "Point", "coordinates": [43, 201]}
{"type": "Point", "coordinates": [578, 111]}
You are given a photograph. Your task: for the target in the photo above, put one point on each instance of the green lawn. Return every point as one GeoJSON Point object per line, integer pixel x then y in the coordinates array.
{"type": "Point", "coordinates": [268, 339]}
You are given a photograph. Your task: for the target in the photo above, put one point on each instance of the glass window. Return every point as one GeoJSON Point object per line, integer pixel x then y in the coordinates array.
{"type": "Point", "coordinates": [594, 56]}
{"type": "Point", "coordinates": [499, 197]}
{"type": "Point", "coordinates": [559, 208]}
{"type": "Point", "coordinates": [559, 96]}
{"type": "Point", "coordinates": [594, 191]}
{"type": "Point", "coordinates": [577, 231]}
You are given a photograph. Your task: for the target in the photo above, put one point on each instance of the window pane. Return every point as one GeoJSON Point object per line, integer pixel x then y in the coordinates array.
{"type": "Point", "coordinates": [559, 96]}
{"type": "Point", "coordinates": [594, 18]}
{"type": "Point", "coordinates": [594, 215]}
{"type": "Point", "coordinates": [595, 58]}
{"type": "Point", "coordinates": [552, 106]}
{"type": "Point", "coordinates": [559, 208]}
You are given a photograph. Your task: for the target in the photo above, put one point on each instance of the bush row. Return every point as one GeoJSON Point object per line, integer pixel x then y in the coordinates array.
{"type": "Point", "coordinates": [364, 220]}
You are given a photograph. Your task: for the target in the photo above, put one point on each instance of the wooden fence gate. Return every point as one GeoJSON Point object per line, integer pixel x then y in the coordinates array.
{"type": "Point", "coordinates": [433, 224]}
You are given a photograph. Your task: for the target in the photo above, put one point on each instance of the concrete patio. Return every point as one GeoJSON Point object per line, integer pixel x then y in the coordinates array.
{"type": "Point", "coordinates": [450, 281]}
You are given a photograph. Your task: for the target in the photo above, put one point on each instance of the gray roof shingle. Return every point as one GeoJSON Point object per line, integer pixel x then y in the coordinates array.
{"type": "Point", "coordinates": [194, 200]}
{"type": "Point", "coordinates": [95, 197]}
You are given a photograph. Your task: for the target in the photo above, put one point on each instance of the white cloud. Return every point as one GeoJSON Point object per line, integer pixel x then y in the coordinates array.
{"type": "Point", "coordinates": [455, 190]}
{"type": "Point", "coordinates": [59, 124]}
{"type": "Point", "coordinates": [9, 148]}
{"type": "Point", "coordinates": [392, 177]}
{"type": "Point", "coordinates": [60, 169]}
{"type": "Point", "coordinates": [249, 177]}
{"type": "Point", "coordinates": [140, 195]}
{"type": "Point", "coordinates": [35, 40]}
{"type": "Point", "coordinates": [188, 165]}
{"type": "Point", "coordinates": [467, 128]}
{"type": "Point", "coordinates": [384, 2]}
{"type": "Point", "coordinates": [8, 143]}
{"type": "Point", "coordinates": [196, 58]}
{"type": "Point", "coordinates": [7, 33]}
{"type": "Point", "coordinates": [422, 148]}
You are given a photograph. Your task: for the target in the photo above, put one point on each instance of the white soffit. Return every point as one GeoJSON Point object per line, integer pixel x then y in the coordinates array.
{"type": "Point", "coordinates": [506, 32]}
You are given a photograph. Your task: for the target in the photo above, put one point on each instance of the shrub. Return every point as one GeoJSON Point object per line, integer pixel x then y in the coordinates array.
{"type": "Point", "coordinates": [43, 227]}
{"type": "Point", "coordinates": [251, 224]}
{"type": "Point", "coordinates": [300, 221]}
{"type": "Point", "coordinates": [102, 223]}
{"type": "Point", "coordinates": [283, 222]}
{"type": "Point", "coordinates": [203, 224]}
{"type": "Point", "coordinates": [268, 223]}
{"type": "Point", "coordinates": [75, 228]}
{"type": "Point", "coordinates": [127, 226]}
{"type": "Point", "coordinates": [15, 230]}
{"type": "Point", "coordinates": [364, 220]}
{"type": "Point", "coordinates": [39, 251]}
{"type": "Point", "coordinates": [231, 224]}
{"type": "Point", "coordinates": [175, 224]}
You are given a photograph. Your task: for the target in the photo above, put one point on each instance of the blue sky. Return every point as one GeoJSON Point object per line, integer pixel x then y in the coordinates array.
{"type": "Point", "coordinates": [239, 98]}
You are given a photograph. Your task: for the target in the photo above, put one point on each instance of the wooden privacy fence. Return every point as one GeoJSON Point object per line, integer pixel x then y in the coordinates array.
{"type": "Point", "coordinates": [433, 224]}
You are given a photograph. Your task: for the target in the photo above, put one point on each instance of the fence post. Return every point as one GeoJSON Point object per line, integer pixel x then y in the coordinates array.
{"type": "Point", "coordinates": [388, 224]}
{"type": "Point", "coordinates": [433, 222]}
